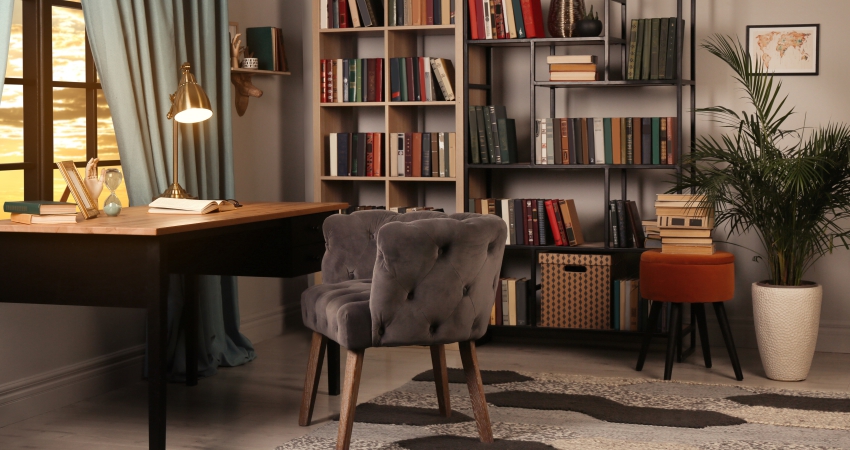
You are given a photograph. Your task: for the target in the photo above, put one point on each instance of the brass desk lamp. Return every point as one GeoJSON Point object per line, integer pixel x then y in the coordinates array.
{"type": "Point", "coordinates": [188, 105]}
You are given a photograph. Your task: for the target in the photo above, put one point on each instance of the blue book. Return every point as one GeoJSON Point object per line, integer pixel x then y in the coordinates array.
{"type": "Point", "coordinates": [656, 143]}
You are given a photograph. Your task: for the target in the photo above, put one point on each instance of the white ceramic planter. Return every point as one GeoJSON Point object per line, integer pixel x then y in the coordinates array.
{"type": "Point", "coordinates": [787, 319]}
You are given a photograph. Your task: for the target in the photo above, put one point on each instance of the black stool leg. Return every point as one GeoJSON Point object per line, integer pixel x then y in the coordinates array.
{"type": "Point", "coordinates": [674, 329]}
{"type": "Point", "coordinates": [651, 323]}
{"type": "Point", "coordinates": [699, 310]}
{"type": "Point", "coordinates": [720, 310]}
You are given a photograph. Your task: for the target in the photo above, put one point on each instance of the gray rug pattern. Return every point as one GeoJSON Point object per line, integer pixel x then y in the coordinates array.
{"type": "Point", "coordinates": [739, 417]}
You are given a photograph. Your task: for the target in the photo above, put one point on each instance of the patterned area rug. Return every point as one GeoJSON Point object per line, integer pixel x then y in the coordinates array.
{"type": "Point", "coordinates": [544, 411]}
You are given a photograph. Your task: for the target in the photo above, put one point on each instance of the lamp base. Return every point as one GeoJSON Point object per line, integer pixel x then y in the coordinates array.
{"type": "Point", "coordinates": [176, 191]}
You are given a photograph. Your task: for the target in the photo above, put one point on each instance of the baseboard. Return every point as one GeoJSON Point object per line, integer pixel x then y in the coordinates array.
{"type": "Point", "coordinates": [833, 335]}
{"type": "Point", "coordinates": [31, 396]}
{"type": "Point", "coordinates": [265, 325]}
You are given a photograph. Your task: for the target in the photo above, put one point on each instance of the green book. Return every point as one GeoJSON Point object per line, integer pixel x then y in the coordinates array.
{"type": "Point", "coordinates": [647, 38]}
{"type": "Point", "coordinates": [402, 73]}
{"type": "Point", "coordinates": [662, 49]}
{"type": "Point", "coordinates": [632, 50]}
{"type": "Point", "coordinates": [482, 135]}
{"type": "Point", "coordinates": [653, 49]}
{"type": "Point", "coordinates": [352, 77]}
{"type": "Point", "coordinates": [672, 69]}
{"type": "Point", "coordinates": [491, 140]}
{"type": "Point", "coordinates": [474, 157]}
{"type": "Point", "coordinates": [40, 207]}
{"type": "Point", "coordinates": [656, 143]}
{"type": "Point", "coordinates": [392, 13]}
{"type": "Point", "coordinates": [507, 140]}
{"type": "Point", "coordinates": [606, 129]}
{"type": "Point", "coordinates": [639, 50]}
{"type": "Point", "coordinates": [518, 19]}
{"type": "Point", "coordinates": [261, 42]}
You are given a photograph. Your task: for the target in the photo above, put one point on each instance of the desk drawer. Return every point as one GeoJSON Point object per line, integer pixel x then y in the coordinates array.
{"type": "Point", "coordinates": [305, 259]}
{"type": "Point", "coordinates": [308, 229]}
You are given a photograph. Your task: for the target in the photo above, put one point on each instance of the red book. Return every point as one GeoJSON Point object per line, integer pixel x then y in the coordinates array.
{"type": "Point", "coordinates": [377, 154]}
{"type": "Point", "coordinates": [556, 205]}
{"type": "Point", "coordinates": [417, 155]}
{"type": "Point", "coordinates": [553, 222]}
{"type": "Point", "coordinates": [370, 160]}
{"type": "Point", "coordinates": [422, 79]}
{"type": "Point", "coordinates": [474, 6]}
{"type": "Point", "coordinates": [379, 80]}
{"type": "Point", "coordinates": [408, 154]}
{"type": "Point", "coordinates": [532, 17]}
{"type": "Point", "coordinates": [323, 63]}
{"type": "Point", "coordinates": [343, 14]}
{"type": "Point", "coordinates": [411, 95]}
{"type": "Point", "coordinates": [499, 18]}
{"type": "Point", "coordinates": [672, 140]}
{"type": "Point", "coordinates": [429, 12]}
{"type": "Point", "coordinates": [330, 80]}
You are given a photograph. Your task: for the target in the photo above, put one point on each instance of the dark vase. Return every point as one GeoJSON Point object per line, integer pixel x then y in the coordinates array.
{"type": "Point", "coordinates": [589, 27]}
{"type": "Point", "coordinates": [560, 23]}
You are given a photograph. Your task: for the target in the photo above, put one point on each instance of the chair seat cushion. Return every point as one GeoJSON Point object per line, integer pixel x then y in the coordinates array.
{"type": "Point", "coordinates": [687, 278]}
{"type": "Point", "coordinates": [340, 311]}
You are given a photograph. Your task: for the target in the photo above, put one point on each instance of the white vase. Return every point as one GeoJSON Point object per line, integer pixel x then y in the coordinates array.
{"type": "Point", "coordinates": [787, 320]}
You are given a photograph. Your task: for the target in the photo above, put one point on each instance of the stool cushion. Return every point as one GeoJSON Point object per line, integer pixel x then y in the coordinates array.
{"type": "Point", "coordinates": [687, 278]}
{"type": "Point", "coordinates": [340, 311]}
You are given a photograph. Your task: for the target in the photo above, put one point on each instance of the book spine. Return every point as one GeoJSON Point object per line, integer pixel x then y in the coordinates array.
{"type": "Point", "coordinates": [333, 154]}
{"type": "Point", "coordinates": [663, 29]}
{"type": "Point", "coordinates": [21, 208]}
{"type": "Point", "coordinates": [519, 222]}
{"type": "Point", "coordinates": [622, 229]}
{"type": "Point", "coordinates": [550, 140]}
{"type": "Point", "coordinates": [599, 140]}
{"type": "Point", "coordinates": [672, 141]}
{"type": "Point", "coordinates": [632, 50]}
{"type": "Point", "coordinates": [416, 150]}
{"type": "Point", "coordinates": [553, 223]}
{"type": "Point", "coordinates": [378, 154]}
{"type": "Point", "coordinates": [615, 140]}
{"type": "Point", "coordinates": [473, 19]}
{"type": "Point", "coordinates": [435, 154]}
{"type": "Point", "coordinates": [656, 147]}
{"type": "Point", "coordinates": [323, 67]}
{"type": "Point", "coordinates": [444, 161]}
{"type": "Point", "coordinates": [395, 86]}
{"type": "Point", "coordinates": [672, 69]}
{"type": "Point", "coordinates": [482, 135]}
{"type": "Point", "coordinates": [647, 39]}
{"type": "Point", "coordinates": [646, 145]}
{"type": "Point", "coordinates": [662, 140]}
{"type": "Point", "coordinates": [370, 80]}
{"type": "Point", "coordinates": [343, 14]}
{"type": "Point", "coordinates": [521, 303]}
{"type": "Point", "coordinates": [653, 49]}
{"type": "Point", "coordinates": [379, 79]}
{"type": "Point", "coordinates": [502, 126]}
{"type": "Point", "coordinates": [538, 126]}
{"type": "Point", "coordinates": [494, 133]}
{"type": "Point", "coordinates": [474, 151]}
{"type": "Point", "coordinates": [510, 27]}
{"type": "Point", "coordinates": [544, 151]}
{"type": "Point", "coordinates": [529, 207]}
{"type": "Point", "coordinates": [499, 19]}
{"type": "Point", "coordinates": [559, 219]}
{"type": "Point", "coordinates": [615, 232]}
{"type": "Point", "coordinates": [399, 151]}
{"type": "Point", "coordinates": [429, 12]}
{"type": "Point", "coordinates": [408, 154]}
{"type": "Point", "coordinates": [541, 223]}
{"type": "Point", "coordinates": [417, 79]}
{"type": "Point", "coordinates": [630, 146]}
{"type": "Point", "coordinates": [639, 51]}
{"type": "Point", "coordinates": [411, 87]}
{"type": "Point", "coordinates": [426, 155]}
{"type": "Point", "coordinates": [591, 145]}
{"type": "Point", "coordinates": [488, 24]}
{"type": "Point", "coordinates": [511, 222]}
{"type": "Point", "coordinates": [623, 140]}
{"type": "Point", "coordinates": [518, 20]}
{"type": "Point", "coordinates": [606, 129]}
{"type": "Point", "coordinates": [370, 157]}
{"type": "Point", "coordinates": [565, 142]}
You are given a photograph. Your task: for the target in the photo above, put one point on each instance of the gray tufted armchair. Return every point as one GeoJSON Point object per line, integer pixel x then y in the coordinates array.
{"type": "Point", "coordinates": [421, 278]}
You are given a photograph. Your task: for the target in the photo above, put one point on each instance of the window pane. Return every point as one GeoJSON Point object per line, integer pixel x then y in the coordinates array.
{"type": "Point", "coordinates": [15, 63]}
{"type": "Point", "coordinates": [12, 124]}
{"type": "Point", "coordinates": [59, 187]}
{"type": "Point", "coordinates": [69, 45]}
{"type": "Point", "coordinates": [69, 124]}
{"type": "Point", "coordinates": [11, 188]}
{"type": "Point", "coordinates": [107, 146]}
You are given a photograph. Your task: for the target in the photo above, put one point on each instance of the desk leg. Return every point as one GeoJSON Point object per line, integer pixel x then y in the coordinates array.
{"type": "Point", "coordinates": [333, 368]}
{"type": "Point", "coordinates": [157, 363]}
{"type": "Point", "coordinates": [191, 303]}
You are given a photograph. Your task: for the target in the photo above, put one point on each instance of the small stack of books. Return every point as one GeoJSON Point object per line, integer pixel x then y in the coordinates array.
{"type": "Point", "coordinates": [625, 225]}
{"type": "Point", "coordinates": [430, 154]}
{"type": "Point", "coordinates": [352, 80]}
{"type": "Point", "coordinates": [492, 135]}
{"type": "Point", "coordinates": [41, 212]}
{"type": "Point", "coordinates": [505, 19]}
{"type": "Point", "coordinates": [651, 230]}
{"type": "Point", "coordinates": [351, 13]}
{"type": "Point", "coordinates": [685, 228]}
{"type": "Point", "coordinates": [420, 12]}
{"type": "Point", "coordinates": [356, 154]}
{"type": "Point", "coordinates": [572, 67]}
{"type": "Point", "coordinates": [421, 79]}
{"type": "Point", "coordinates": [653, 49]}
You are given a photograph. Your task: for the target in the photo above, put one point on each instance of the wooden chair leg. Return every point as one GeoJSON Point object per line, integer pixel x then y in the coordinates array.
{"type": "Point", "coordinates": [699, 309]}
{"type": "Point", "coordinates": [311, 381]}
{"type": "Point", "coordinates": [674, 329]}
{"type": "Point", "coordinates": [720, 310]}
{"type": "Point", "coordinates": [441, 378]}
{"type": "Point", "coordinates": [476, 389]}
{"type": "Point", "coordinates": [353, 368]}
{"type": "Point", "coordinates": [654, 312]}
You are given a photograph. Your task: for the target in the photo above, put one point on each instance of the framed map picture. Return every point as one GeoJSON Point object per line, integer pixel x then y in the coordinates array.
{"type": "Point", "coordinates": [785, 49]}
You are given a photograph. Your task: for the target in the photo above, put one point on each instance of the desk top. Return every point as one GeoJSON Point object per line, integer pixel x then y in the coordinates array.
{"type": "Point", "coordinates": [136, 221]}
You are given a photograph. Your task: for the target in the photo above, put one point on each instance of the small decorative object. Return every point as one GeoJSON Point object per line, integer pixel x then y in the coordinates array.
{"type": "Point", "coordinates": [590, 25]}
{"type": "Point", "coordinates": [112, 179]}
{"type": "Point", "coordinates": [235, 50]}
{"type": "Point", "coordinates": [785, 49]}
{"type": "Point", "coordinates": [87, 205]}
{"type": "Point", "coordinates": [244, 88]}
{"type": "Point", "coordinates": [93, 183]}
{"type": "Point", "coordinates": [563, 15]}
{"type": "Point", "coordinates": [250, 63]}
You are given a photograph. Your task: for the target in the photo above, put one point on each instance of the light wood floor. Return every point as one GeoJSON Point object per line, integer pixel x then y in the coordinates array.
{"type": "Point", "coordinates": [256, 406]}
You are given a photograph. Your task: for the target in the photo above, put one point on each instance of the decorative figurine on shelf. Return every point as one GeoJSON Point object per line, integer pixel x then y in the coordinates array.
{"type": "Point", "coordinates": [589, 25]}
{"type": "Point", "coordinates": [112, 178]}
{"type": "Point", "coordinates": [93, 183]}
{"type": "Point", "coordinates": [235, 50]}
{"type": "Point", "coordinates": [563, 15]}
{"type": "Point", "coordinates": [244, 88]}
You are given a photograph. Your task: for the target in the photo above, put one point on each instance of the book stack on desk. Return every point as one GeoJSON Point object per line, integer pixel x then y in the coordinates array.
{"type": "Point", "coordinates": [41, 212]}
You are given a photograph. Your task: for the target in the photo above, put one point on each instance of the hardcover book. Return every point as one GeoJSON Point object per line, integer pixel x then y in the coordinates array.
{"type": "Point", "coordinates": [40, 207]}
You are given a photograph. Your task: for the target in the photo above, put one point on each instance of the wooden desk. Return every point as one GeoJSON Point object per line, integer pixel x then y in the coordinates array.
{"type": "Point", "coordinates": [141, 250]}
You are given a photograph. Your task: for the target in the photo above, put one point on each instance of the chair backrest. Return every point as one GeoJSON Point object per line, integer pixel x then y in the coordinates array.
{"type": "Point", "coordinates": [434, 280]}
{"type": "Point", "coordinates": [350, 245]}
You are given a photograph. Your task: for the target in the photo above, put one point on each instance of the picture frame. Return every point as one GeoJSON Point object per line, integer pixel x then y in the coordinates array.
{"type": "Point", "coordinates": [785, 49]}
{"type": "Point", "coordinates": [87, 206]}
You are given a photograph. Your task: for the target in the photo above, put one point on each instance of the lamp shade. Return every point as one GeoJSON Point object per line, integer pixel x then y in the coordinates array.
{"type": "Point", "coordinates": [190, 102]}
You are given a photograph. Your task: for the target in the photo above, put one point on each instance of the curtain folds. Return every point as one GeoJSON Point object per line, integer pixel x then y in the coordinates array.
{"type": "Point", "coordinates": [138, 47]}
{"type": "Point", "coordinates": [6, 9]}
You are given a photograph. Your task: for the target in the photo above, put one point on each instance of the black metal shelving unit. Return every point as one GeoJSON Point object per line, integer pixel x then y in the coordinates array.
{"type": "Point", "coordinates": [614, 47]}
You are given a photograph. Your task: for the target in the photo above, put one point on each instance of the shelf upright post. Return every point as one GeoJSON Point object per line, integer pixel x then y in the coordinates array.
{"type": "Point", "coordinates": [533, 98]}
{"type": "Point", "coordinates": [552, 89]}
{"type": "Point", "coordinates": [693, 75]}
{"type": "Point", "coordinates": [606, 216]}
{"type": "Point", "coordinates": [466, 147]}
{"type": "Point", "coordinates": [606, 36]}
{"type": "Point", "coordinates": [623, 35]}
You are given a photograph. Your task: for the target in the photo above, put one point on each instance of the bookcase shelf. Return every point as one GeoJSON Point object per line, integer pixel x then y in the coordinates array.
{"type": "Point", "coordinates": [482, 86]}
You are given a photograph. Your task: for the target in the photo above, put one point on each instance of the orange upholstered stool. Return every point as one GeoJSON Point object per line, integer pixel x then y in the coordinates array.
{"type": "Point", "coordinates": [694, 279]}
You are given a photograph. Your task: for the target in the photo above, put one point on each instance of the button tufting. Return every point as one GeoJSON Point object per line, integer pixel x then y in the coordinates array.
{"type": "Point", "coordinates": [491, 246]}
{"type": "Point", "coordinates": [433, 329]}
{"type": "Point", "coordinates": [466, 290]}
{"type": "Point", "coordinates": [410, 295]}
{"type": "Point", "coordinates": [439, 251]}
{"type": "Point", "coordinates": [371, 235]}
{"type": "Point", "coordinates": [381, 331]}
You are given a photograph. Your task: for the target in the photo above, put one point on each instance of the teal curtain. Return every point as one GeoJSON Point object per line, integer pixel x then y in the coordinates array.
{"type": "Point", "coordinates": [138, 47]}
{"type": "Point", "coordinates": [6, 9]}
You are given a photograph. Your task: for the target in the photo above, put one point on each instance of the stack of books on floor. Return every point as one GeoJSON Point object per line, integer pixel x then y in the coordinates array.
{"type": "Point", "coordinates": [430, 154]}
{"type": "Point", "coordinates": [534, 221]}
{"type": "Point", "coordinates": [511, 305]}
{"type": "Point", "coordinates": [572, 67]}
{"type": "Point", "coordinates": [421, 12]}
{"type": "Point", "coordinates": [356, 154]}
{"type": "Point", "coordinates": [625, 225]}
{"type": "Point", "coordinates": [685, 228]}
{"type": "Point", "coordinates": [41, 212]}
{"type": "Point", "coordinates": [351, 13]}
{"type": "Point", "coordinates": [421, 79]}
{"type": "Point", "coordinates": [505, 19]}
{"type": "Point", "coordinates": [352, 80]}
{"type": "Point", "coordinates": [492, 135]}
{"type": "Point", "coordinates": [406, 209]}
{"type": "Point", "coordinates": [653, 49]}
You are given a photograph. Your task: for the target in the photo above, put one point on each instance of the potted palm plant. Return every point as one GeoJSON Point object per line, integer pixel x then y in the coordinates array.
{"type": "Point", "coordinates": [791, 187]}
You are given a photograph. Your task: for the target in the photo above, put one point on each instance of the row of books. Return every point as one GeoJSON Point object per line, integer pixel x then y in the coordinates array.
{"type": "Point", "coordinates": [351, 13]}
{"type": "Point", "coordinates": [266, 44]}
{"type": "Point", "coordinates": [41, 212]}
{"type": "Point", "coordinates": [630, 312]}
{"type": "Point", "coordinates": [423, 154]}
{"type": "Point", "coordinates": [653, 49]}
{"type": "Point", "coordinates": [492, 136]}
{"type": "Point", "coordinates": [511, 305]}
{"type": "Point", "coordinates": [505, 19]}
{"type": "Point", "coordinates": [625, 225]}
{"type": "Point", "coordinates": [356, 154]}
{"type": "Point", "coordinates": [534, 221]}
{"type": "Point", "coordinates": [684, 226]}
{"type": "Point", "coordinates": [421, 12]}
{"type": "Point", "coordinates": [572, 67]}
{"type": "Point", "coordinates": [421, 79]}
{"type": "Point", "coordinates": [616, 140]}
{"type": "Point", "coordinates": [352, 80]}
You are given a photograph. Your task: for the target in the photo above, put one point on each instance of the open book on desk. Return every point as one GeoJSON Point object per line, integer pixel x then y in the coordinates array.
{"type": "Point", "coordinates": [164, 205]}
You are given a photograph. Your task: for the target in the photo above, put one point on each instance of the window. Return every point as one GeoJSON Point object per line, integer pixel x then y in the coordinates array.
{"type": "Point", "coordinates": [52, 106]}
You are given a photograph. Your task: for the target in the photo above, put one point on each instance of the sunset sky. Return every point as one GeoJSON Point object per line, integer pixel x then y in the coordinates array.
{"type": "Point", "coordinates": [69, 107]}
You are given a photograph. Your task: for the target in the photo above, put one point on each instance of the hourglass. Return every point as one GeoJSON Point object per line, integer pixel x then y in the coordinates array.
{"type": "Point", "coordinates": [112, 179]}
